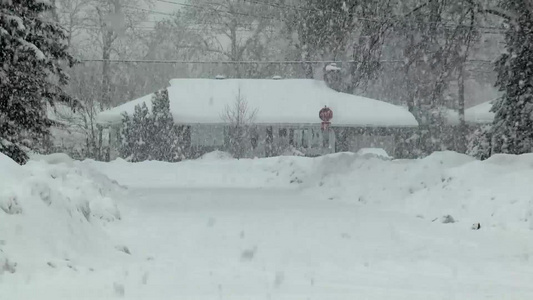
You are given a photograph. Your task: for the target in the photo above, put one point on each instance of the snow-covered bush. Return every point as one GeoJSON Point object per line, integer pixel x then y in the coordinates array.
{"type": "Point", "coordinates": [479, 143]}
{"type": "Point", "coordinates": [152, 135]}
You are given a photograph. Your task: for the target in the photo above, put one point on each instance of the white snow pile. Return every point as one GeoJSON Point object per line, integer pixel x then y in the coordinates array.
{"type": "Point", "coordinates": [52, 209]}
{"type": "Point", "coordinates": [495, 192]}
{"type": "Point", "coordinates": [215, 170]}
{"type": "Point", "coordinates": [374, 152]}
{"type": "Point", "coordinates": [217, 155]}
{"type": "Point", "coordinates": [291, 151]}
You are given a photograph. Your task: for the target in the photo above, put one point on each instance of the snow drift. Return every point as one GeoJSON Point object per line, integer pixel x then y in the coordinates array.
{"type": "Point", "coordinates": [492, 192]}
{"type": "Point", "coordinates": [52, 209]}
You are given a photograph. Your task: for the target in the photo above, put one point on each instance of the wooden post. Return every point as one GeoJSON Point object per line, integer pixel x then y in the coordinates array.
{"type": "Point", "coordinates": [269, 148]}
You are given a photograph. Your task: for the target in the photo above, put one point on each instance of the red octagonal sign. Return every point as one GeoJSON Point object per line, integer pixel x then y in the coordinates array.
{"type": "Point", "coordinates": [326, 114]}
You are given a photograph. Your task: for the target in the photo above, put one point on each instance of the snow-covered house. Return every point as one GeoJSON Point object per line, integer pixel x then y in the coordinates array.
{"type": "Point", "coordinates": [287, 114]}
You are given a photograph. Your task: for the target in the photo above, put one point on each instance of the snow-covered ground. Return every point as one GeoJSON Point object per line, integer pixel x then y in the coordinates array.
{"type": "Point", "coordinates": [343, 226]}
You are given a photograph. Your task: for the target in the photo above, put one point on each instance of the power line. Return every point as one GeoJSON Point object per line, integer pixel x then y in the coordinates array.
{"type": "Point", "coordinates": [249, 62]}
{"type": "Point", "coordinates": [190, 5]}
{"type": "Point", "coordinates": [215, 62]}
{"type": "Point", "coordinates": [215, 9]}
{"type": "Point", "coordinates": [149, 10]}
{"type": "Point", "coordinates": [495, 30]}
{"type": "Point", "coordinates": [151, 28]}
{"type": "Point", "coordinates": [302, 8]}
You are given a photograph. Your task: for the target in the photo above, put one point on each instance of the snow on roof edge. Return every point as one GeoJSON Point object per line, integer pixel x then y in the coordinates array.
{"type": "Point", "coordinates": [288, 99]}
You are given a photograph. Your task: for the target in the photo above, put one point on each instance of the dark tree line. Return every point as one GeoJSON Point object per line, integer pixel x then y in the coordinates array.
{"type": "Point", "coordinates": [33, 56]}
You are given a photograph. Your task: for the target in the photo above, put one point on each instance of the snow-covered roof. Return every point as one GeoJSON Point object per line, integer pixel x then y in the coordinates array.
{"type": "Point", "coordinates": [287, 101]}
{"type": "Point", "coordinates": [479, 114]}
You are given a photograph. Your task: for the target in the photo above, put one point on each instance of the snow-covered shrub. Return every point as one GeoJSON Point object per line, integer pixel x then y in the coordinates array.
{"type": "Point", "coordinates": [152, 135]}
{"type": "Point", "coordinates": [479, 143]}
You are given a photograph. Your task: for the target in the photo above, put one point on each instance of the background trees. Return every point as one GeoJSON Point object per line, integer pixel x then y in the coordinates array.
{"type": "Point", "coordinates": [431, 56]}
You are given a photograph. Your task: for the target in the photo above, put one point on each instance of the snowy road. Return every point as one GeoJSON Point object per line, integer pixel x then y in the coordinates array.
{"type": "Point", "coordinates": [280, 244]}
{"type": "Point", "coordinates": [338, 227]}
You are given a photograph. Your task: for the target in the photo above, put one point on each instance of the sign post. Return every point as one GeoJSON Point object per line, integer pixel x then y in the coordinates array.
{"type": "Point", "coordinates": [325, 114]}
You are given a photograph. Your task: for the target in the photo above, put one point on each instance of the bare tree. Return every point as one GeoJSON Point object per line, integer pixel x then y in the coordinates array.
{"type": "Point", "coordinates": [72, 16]}
{"type": "Point", "coordinates": [84, 84]}
{"type": "Point", "coordinates": [232, 29]}
{"type": "Point", "coordinates": [240, 118]}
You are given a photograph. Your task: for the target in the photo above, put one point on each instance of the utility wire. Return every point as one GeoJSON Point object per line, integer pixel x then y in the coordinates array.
{"type": "Point", "coordinates": [496, 30]}
{"type": "Point", "coordinates": [149, 10]}
{"type": "Point", "coordinates": [245, 62]}
{"type": "Point", "coordinates": [216, 9]}
{"type": "Point", "coordinates": [152, 28]}
{"type": "Point", "coordinates": [306, 9]}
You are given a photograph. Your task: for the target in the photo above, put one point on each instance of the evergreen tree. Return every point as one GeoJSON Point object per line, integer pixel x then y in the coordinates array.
{"type": "Point", "coordinates": [479, 143]}
{"type": "Point", "coordinates": [151, 136]}
{"type": "Point", "coordinates": [126, 141]}
{"type": "Point", "coordinates": [31, 74]}
{"type": "Point", "coordinates": [165, 135]}
{"type": "Point", "coordinates": [140, 134]}
{"type": "Point", "coordinates": [513, 123]}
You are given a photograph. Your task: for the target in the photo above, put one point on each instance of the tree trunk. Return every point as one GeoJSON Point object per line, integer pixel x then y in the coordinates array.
{"type": "Point", "coordinates": [106, 80]}
{"type": "Point", "coordinates": [108, 39]}
{"type": "Point", "coordinates": [461, 145]}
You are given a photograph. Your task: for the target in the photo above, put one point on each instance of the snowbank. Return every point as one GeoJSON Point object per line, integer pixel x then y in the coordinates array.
{"type": "Point", "coordinates": [493, 192]}
{"type": "Point", "coordinates": [375, 152]}
{"type": "Point", "coordinates": [52, 209]}
{"type": "Point", "coordinates": [217, 155]}
{"type": "Point", "coordinates": [213, 171]}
